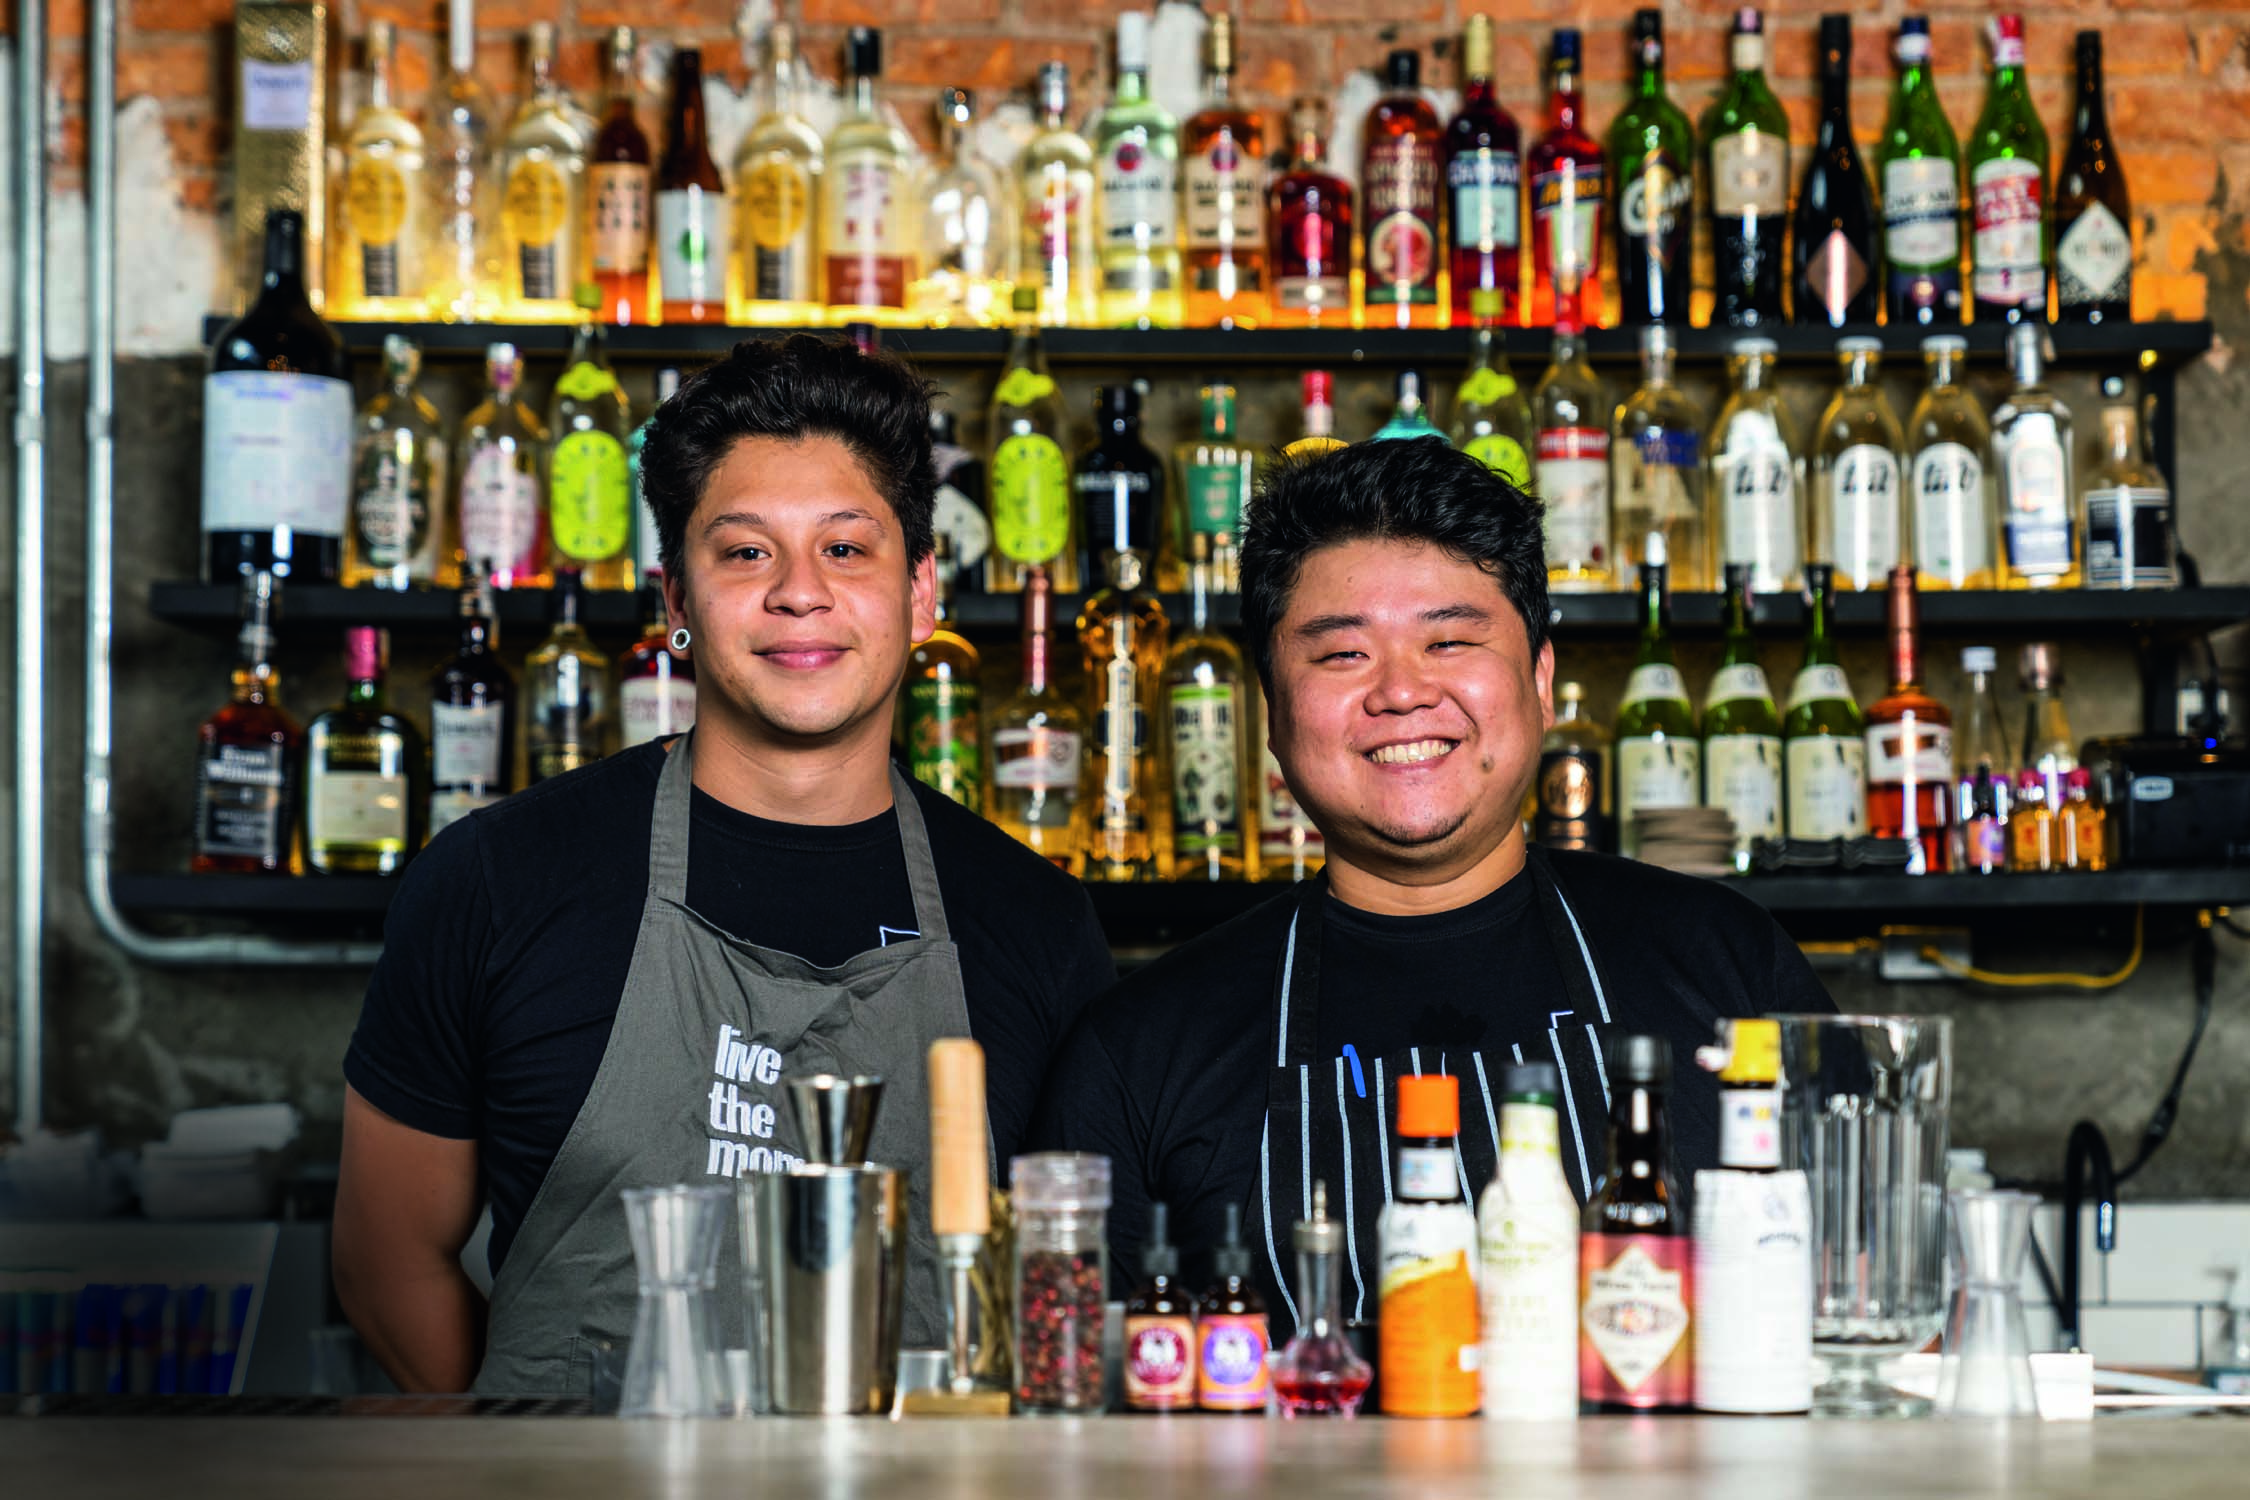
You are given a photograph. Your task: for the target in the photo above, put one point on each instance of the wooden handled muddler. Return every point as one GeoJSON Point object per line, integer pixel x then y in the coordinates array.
{"type": "Point", "coordinates": [960, 1181]}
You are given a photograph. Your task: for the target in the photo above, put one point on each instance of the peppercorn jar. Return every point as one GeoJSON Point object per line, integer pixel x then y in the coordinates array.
{"type": "Point", "coordinates": [1061, 1203]}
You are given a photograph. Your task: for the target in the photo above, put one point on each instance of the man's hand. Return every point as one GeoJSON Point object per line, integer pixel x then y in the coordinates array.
{"type": "Point", "coordinates": [406, 1203]}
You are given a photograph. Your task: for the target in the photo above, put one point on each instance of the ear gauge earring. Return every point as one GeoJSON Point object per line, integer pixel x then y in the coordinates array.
{"type": "Point", "coordinates": [680, 638]}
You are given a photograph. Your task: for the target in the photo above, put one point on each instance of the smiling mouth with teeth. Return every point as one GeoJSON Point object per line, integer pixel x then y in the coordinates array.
{"type": "Point", "coordinates": [1414, 754]}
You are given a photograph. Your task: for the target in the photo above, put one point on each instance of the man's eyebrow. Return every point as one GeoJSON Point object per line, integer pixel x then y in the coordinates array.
{"type": "Point", "coordinates": [1462, 613]}
{"type": "Point", "coordinates": [752, 518]}
{"type": "Point", "coordinates": [1473, 614]}
{"type": "Point", "coordinates": [1330, 624]}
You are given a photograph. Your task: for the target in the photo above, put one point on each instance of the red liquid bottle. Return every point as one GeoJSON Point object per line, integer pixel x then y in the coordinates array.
{"type": "Point", "coordinates": [618, 195]}
{"type": "Point", "coordinates": [248, 757]}
{"type": "Point", "coordinates": [1398, 177]}
{"type": "Point", "coordinates": [1483, 186]}
{"type": "Point", "coordinates": [1567, 169]}
{"type": "Point", "coordinates": [1910, 747]}
{"type": "Point", "coordinates": [1309, 226]}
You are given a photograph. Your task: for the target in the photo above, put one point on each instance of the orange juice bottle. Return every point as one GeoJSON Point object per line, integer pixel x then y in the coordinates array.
{"type": "Point", "coordinates": [1427, 1335]}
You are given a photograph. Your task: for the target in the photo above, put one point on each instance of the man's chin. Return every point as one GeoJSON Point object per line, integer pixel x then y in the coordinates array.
{"type": "Point", "coordinates": [1407, 837]}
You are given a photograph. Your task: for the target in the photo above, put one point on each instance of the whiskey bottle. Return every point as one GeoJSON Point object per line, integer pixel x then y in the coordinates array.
{"type": "Point", "coordinates": [1659, 758]}
{"type": "Point", "coordinates": [1223, 194]}
{"type": "Point", "coordinates": [363, 773]}
{"type": "Point", "coordinates": [1948, 489]}
{"type": "Point", "coordinates": [1034, 523]}
{"type": "Point", "coordinates": [380, 263]}
{"type": "Point", "coordinates": [396, 538]}
{"type": "Point", "coordinates": [1572, 800]}
{"type": "Point", "coordinates": [1398, 177]}
{"type": "Point", "coordinates": [1137, 146]}
{"type": "Point", "coordinates": [1491, 418]}
{"type": "Point", "coordinates": [1910, 747]}
{"type": "Point", "coordinates": [1216, 472]}
{"type": "Point", "coordinates": [2128, 505]}
{"type": "Point", "coordinates": [778, 168]}
{"type": "Point", "coordinates": [1309, 229]}
{"type": "Point", "coordinates": [502, 531]}
{"type": "Point", "coordinates": [1039, 748]}
{"type": "Point", "coordinates": [867, 215]}
{"type": "Point", "coordinates": [1213, 828]}
{"type": "Point", "coordinates": [472, 718]}
{"type": "Point", "coordinates": [1056, 257]}
{"type": "Point", "coordinates": [1123, 633]}
{"type": "Point", "coordinates": [1856, 522]}
{"type": "Point", "coordinates": [965, 230]}
{"type": "Point", "coordinates": [1570, 470]}
{"type": "Point", "coordinates": [617, 196]}
{"type": "Point", "coordinates": [655, 689]}
{"type": "Point", "coordinates": [247, 757]}
{"type": "Point", "coordinates": [944, 746]}
{"type": "Point", "coordinates": [567, 718]}
{"type": "Point", "coordinates": [461, 262]}
{"type": "Point", "coordinates": [1742, 730]}
{"type": "Point", "coordinates": [2041, 529]}
{"type": "Point", "coordinates": [1823, 750]}
{"type": "Point", "coordinates": [589, 483]}
{"type": "Point", "coordinates": [1635, 1253]}
{"type": "Point", "coordinates": [1120, 485]}
{"type": "Point", "coordinates": [1758, 474]}
{"type": "Point", "coordinates": [1656, 470]}
{"type": "Point", "coordinates": [691, 207]}
{"type": "Point", "coordinates": [542, 198]}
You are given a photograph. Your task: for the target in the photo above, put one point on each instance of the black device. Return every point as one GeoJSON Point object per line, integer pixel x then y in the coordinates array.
{"type": "Point", "coordinates": [2172, 801]}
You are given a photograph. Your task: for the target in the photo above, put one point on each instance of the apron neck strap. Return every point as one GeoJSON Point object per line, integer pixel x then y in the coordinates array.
{"type": "Point", "coordinates": [921, 869]}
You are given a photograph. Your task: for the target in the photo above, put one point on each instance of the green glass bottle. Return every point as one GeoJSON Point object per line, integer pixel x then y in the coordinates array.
{"type": "Point", "coordinates": [589, 474]}
{"type": "Point", "coordinates": [1411, 417]}
{"type": "Point", "coordinates": [1491, 418]}
{"type": "Point", "coordinates": [1652, 151]}
{"type": "Point", "coordinates": [1745, 137]}
{"type": "Point", "coordinates": [1136, 156]}
{"type": "Point", "coordinates": [2008, 185]}
{"type": "Point", "coordinates": [1742, 730]}
{"type": "Point", "coordinates": [1028, 474]}
{"type": "Point", "coordinates": [1659, 759]}
{"type": "Point", "coordinates": [1824, 757]}
{"type": "Point", "coordinates": [1918, 162]}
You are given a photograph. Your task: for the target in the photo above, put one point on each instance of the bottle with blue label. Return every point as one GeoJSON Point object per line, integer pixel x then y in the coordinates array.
{"type": "Point", "coordinates": [1656, 470]}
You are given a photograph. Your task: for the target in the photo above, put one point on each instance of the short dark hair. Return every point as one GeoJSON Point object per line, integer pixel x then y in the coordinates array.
{"type": "Point", "coordinates": [1415, 490]}
{"type": "Point", "coordinates": [802, 386]}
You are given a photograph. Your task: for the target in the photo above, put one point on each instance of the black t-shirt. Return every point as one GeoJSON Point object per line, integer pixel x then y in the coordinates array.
{"type": "Point", "coordinates": [506, 951]}
{"type": "Point", "coordinates": [1167, 1073]}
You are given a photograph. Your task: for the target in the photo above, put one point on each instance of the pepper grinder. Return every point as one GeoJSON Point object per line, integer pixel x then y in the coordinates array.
{"type": "Point", "coordinates": [961, 1218]}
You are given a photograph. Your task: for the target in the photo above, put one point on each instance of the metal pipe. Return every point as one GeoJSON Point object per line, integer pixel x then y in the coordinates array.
{"type": "Point", "coordinates": [98, 820]}
{"type": "Point", "coordinates": [31, 558]}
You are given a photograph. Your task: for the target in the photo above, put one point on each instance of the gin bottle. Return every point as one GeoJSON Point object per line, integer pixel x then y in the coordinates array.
{"type": "Point", "coordinates": [964, 228]}
{"type": "Point", "coordinates": [1855, 514]}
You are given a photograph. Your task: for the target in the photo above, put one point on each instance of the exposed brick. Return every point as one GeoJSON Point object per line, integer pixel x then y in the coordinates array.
{"type": "Point", "coordinates": [1362, 13]}
{"type": "Point", "coordinates": [659, 17]}
{"type": "Point", "coordinates": [200, 140]}
{"type": "Point", "coordinates": [2168, 178]}
{"type": "Point", "coordinates": [172, 69]}
{"type": "Point", "coordinates": [908, 12]}
{"type": "Point", "coordinates": [983, 63]}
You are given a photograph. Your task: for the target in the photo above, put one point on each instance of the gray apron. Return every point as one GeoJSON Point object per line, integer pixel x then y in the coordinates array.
{"type": "Point", "coordinates": [688, 1091]}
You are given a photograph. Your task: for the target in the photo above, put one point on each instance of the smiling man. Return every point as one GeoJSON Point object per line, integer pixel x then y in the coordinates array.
{"type": "Point", "coordinates": [1395, 600]}
{"type": "Point", "coordinates": [599, 983]}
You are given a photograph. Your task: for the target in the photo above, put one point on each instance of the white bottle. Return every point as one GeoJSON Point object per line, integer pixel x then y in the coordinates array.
{"type": "Point", "coordinates": [1753, 1241]}
{"type": "Point", "coordinates": [1527, 1235]}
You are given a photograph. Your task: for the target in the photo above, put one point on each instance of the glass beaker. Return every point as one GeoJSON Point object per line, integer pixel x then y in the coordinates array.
{"type": "Point", "coordinates": [676, 1365]}
{"type": "Point", "coordinates": [1864, 1115]}
{"type": "Point", "coordinates": [1986, 1371]}
{"type": "Point", "coordinates": [1061, 1204]}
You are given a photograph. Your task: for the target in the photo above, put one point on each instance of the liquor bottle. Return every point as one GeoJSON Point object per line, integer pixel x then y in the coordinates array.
{"type": "Point", "coordinates": [1039, 748]}
{"type": "Point", "coordinates": [1948, 490]}
{"type": "Point", "coordinates": [1656, 470]}
{"type": "Point", "coordinates": [1137, 146]}
{"type": "Point", "coordinates": [655, 689]}
{"type": "Point", "coordinates": [1838, 259]}
{"type": "Point", "coordinates": [2008, 188]}
{"type": "Point", "coordinates": [961, 514]}
{"type": "Point", "coordinates": [2050, 750]}
{"type": "Point", "coordinates": [1856, 504]}
{"type": "Point", "coordinates": [280, 135]}
{"type": "Point", "coordinates": [1319, 418]}
{"type": "Point", "coordinates": [566, 694]}
{"type": "Point", "coordinates": [1653, 147]}
{"type": "Point", "coordinates": [1822, 745]}
{"type": "Point", "coordinates": [1160, 1340]}
{"type": "Point", "coordinates": [1570, 469]}
{"type": "Point", "coordinates": [542, 197]}
{"type": "Point", "coordinates": [1213, 830]}
{"type": "Point", "coordinates": [589, 486]}
{"type": "Point", "coordinates": [461, 265]}
{"type": "Point", "coordinates": [1910, 747]}
{"type": "Point", "coordinates": [1742, 730]}
{"type": "Point", "coordinates": [647, 544]}
{"type": "Point", "coordinates": [1746, 163]}
{"type": "Point", "coordinates": [1410, 414]}
{"type": "Point", "coordinates": [939, 706]}
{"type": "Point", "coordinates": [1491, 418]}
{"type": "Point", "coordinates": [1122, 631]}
{"type": "Point", "coordinates": [1426, 1356]}
{"type": "Point", "coordinates": [691, 207]}
{"type": "Point", "coordinates": [1290, 846]}
{"type": "Point", "coordinates": [1659, 758]}
{"type": "Point", "coordinates": [363, 773]}
{"type": "Point", "coordinates": [1309, 227]}
{"type": "Point", "coordinates": [1920, 163]}
{"type": "Point", "coordinates": [1398, 177]}
{"type": "Point", "coordinates": [1034, 523]}
{"type": "Point", "coordinates": [1223, 192]}
{"type": "Point", "coordinates": [381, 254]}
{"type": "Point", "coordinates": [617, 195]}
{"type": "Point", "coordinates": [778, 167]}
{"type": "Point", "coordinates": [1119, 485]}
{"type": "Point", "coordinates": [965, 229]}
{"type": "Point", "coordinates": [1635, 1256]}
{"type": "Point", "coordinates": [1984, 791]}
{"type": "Point", "coordinates": [1232, 1338]}
{"type": "Point", "coordinates": [472, 717]}
{"type": "Point", "coordinates": [2093, 245]}
{"type": "Point", "coordinates": [1567, 184]}
{"type": "Point", "coordinates": [1572, 800]}
{"type": "Point", "coordinates": [277, 430]}
{"type": "Point", "coordinates": [1216, 470]}
{"type": "Point", "coordinates": [1055, 183]}
{"type": "Point", "coordinates": [2127, 504]}
{"type": "Point", "coordinates": [2040, 526]}
{"type": "Point", "coordinates": [2083, 824]}
{"type": "Point", "coordinates": [501, 533]}
{"type": "Point", "coordinates": [247, 756]}
{"type": "Point", "coordinates": [1753, 1241]}
{"type": "Point", "coordinates": [1527, 1252]}
{"type": "Point", "coordinates": [1758, 474]}
{"type": "Point", "coordinates": [396, 536]}
{"type": "Point", "coordinates": [867, 219]}
{"type": "Point", "coordinates": [1483, 187]}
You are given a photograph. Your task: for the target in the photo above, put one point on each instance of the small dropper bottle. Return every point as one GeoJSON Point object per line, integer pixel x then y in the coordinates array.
{"type": "Point", "coordinates": [1160, 1327]}
{"type": "Point", "coordinates": [1231, 1336]}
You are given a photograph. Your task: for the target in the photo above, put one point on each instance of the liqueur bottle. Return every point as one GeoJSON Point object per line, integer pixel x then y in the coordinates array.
{"type": "Point", "coordinates": [1137, 148]}
{"type": "Point", "coordinates": [1398, 177]}
{"type": "Point", "coordinates": [1948, 489]}
{"type": "Point", "coordinates": [1567, 187]}
{"type": "Point", "coordinates": [867, 217]}
{"type": "Point", "coordinates": [2041, 530]}
{"type": "Point", "coordinates": [655, 689]}
{"type": "Point", "coordinates": [1757, 474]}
{"type": "Point", "coordinates": [1232, 1339]}
{"type": "Point", "coordinates": [1822, 745]}
{"type": "Point", "coordinates": [1527, 1249]}
{"type": "Point", "coordinates": [1856, 522]}
{"type": "Point", "coordinates": [1742, 730]}
{"type": "Point", "coordinates": [1055, 186]}
{"type": "Point", "coordinates": [1659, 758]}
{"type": "Point", "coordinates": [778, 167]}
{"type": "Point", "coordinates": [965, 229]}
{"type": "Point", "coordinates": [1426, 1357]}
{"type": "Point", "coordinates": [1410, 414]}
{"type": "Point", "coordinates": [2093, 245]}
{"type": "Point", "coordinates": [589, 487]}
{"type": "Point", "coordinates": [542, 197]}
{"type": "Point", "coordinates": [2127, 505]}
{"type": "Point", "coordinates": [1910, 747]}
{"type": "Point", "coordinates": [1034, 523]}
{"type": "Point", "coordinates": [1570, 469]}
{"type": "Point", "coordinates": [1483, 155]}
{"type": "Point", "coordinates": [1491, 418]}
{"type": "Point", "coordinates": [1123, 633]}
{"type": "Point", "coordinates": [1290, 847]}
{"type": "Point", "coordinates": [502, 531]}
{"type": "Point", "coordinates": [1984, 791]}
{"type": "Point", "coordinates": [1309, 227]}
{"type": "Point", "coordinates": [247, 757]}
{"type": "Point", "coordinates": [566, 697]}
{"type": "Point", "coordinates": [1653, 146]}
{"type": "Point", "coordinates": [942, 699]}
{"type": "Point", "coordinates": [1920, 164]}
{"type": "Point", "coordinates": [1656, 463]}
{"type": "Point", "coordinates": [396, 538]}
{"type": "Point", "coordinates": [460, 263]}
{"type": "Point", "coordinates": [1572, 802]}
{"type": "Point", "coordinates": [472, 718]}
{"type": "Point", "coordinates": [1319, 418]}
{"type": "Point", "coordinates": [1205, 703]}
{"type": "Point", "coordinates": [1746, 164]}
{"type": "Point", "coordinates": [1838, 257]}
{"type": "Point", "coordinates": [1119, 485]}
{"type": "Point", "coordinates": [617, 196]}
{"type": "Point", "coordinates": [1635, 1257]}
{"type": "Point", "coordinates": [2008, 189]}
{"type": "Point", "coordinates": [962, 514]}
{"type": "Point", "coordinates": [1039, 748]}
{"type": "Point", "coordinates": [691, 207]}
{"type": "Point", "coordinates": [363, 773]}
{"type": "Point", "coordinates": [381, 254]}
{"type": "Point", "coordinates": [1216, 470]}
{"type": "Point", "coordinates": [1223, 195]}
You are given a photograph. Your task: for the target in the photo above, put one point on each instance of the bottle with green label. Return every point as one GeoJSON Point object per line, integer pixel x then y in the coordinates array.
{"type": "Point", "coordinates": [1742, 730]}
{"type": "Point", "coordinates": [1659, 758]}
{"type": "Point", "coordinates": [589, 483]}
{"type": "Point", "coordinates": [1824, 756]}
{"type": "Point", "coordinates": [1204, 705]}
{"type": "Point", "coordinates": [944, 739]}
{"type": "Point", "coordinates": [1029, 476]}
{"type": "Point", "coordinates": [1491, 417]}
{"type": "Point", "coordinates": [1216, 472]}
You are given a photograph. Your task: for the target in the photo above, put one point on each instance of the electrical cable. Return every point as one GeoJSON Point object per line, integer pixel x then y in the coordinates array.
{"type": "Point", "coordinates": [1959, 970]}
{"type": "Point", "coordinates": [2203, 963]}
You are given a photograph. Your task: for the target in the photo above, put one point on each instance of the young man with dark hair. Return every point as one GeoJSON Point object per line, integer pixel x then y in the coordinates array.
{"type": "Point", "coordinates": [1395, 600]}
{"type": "Point", "coordinates": [598, 983]}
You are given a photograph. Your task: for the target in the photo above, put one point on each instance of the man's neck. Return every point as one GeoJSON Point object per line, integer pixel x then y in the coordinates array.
{"type": "Point", "coordinates": [829, 784]}
{"type": "Point", "coordinates": [1403, 892]}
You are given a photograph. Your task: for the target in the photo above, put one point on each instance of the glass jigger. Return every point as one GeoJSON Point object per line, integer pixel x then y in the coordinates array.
{"type": "Point", "coordinates": [1986, 1371]}
{"type": "Point", "coordinates": [676, 1366]}
{"type": "Point", "coordinates": [1864, 1115]}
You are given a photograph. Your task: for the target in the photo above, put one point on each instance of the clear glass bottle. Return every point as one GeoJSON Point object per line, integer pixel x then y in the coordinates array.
{"type": "Point", "coordinates": [778, 167]}
{"type": "Point", "coordinates": [2050, 750]}
{"type": "Point", "coordinates": [396, 538]}
{"type": "Point", "coordinates": [1984, 790]}
{"type": "Point", "coordinates": [1823, 746]}
{"type": "Point", "coordinates": [1758, 474]}
{"type": "Point", "coordinates": [1055, 183]}
{"type": "Point", "coordinates": [1137, 143]}
{"type": "Point", "coordinates": [1124, 635]}
{"type": "Point", "coordinates": [567, 720]}
{"type": "Point", "coordinates": [1061, 1201]}
{"type": "Point", "coordinates": [363, 773]}
{"type": "Point", "coordinates": [1656, 471]}
{"type": "Point", "coordinates": [1410, 413]}
{"type": "Point", "coordinates": [1742, 730]}
{"type": "Point", "coordinates": [1222, 196]}
{"type": "Point", "coordinates": [1216, 471]}
{"type": "Point", "coordinates": [542, 197]}
{"type": "Point", "coordinates": [1572, 799]}
{"type": "Point", "coordinates": [867, 213]}
{"type": "Point", "coordinates": [1318, 1373]}
{"type": "Point", "coordinates": [501, 517]}
{"type": "Point", "coordinates": [1856, 506]}
{"type": "Point", "coordinates": [589, 483]}
{"type": "Point", "coordinates": [1659, 757]}
{"type": "Point", "coordinates": [1491, 418]}
{"type": "Point", "coordinates": [248, 757]}
{"type": "Point", "coordinates": [941, 701]}
{"type": "Point", "coordinates": [1034, 523]}
{"type": "Point", "coordinates": [1039, 747]}
{"type": "Point", "coordinates": [1205, 714]}
{"type": "Point", "coordinates": [461, 262]}
{"type": "Point", "coordinates": [2042, 529]}
{"type": "Point", "coordinates": [1949, 491]}
{"type": "Point", "coordinates": [964, 280]}
{"type": "Point", "coordinates": [2127, 504]}
{"type": "Point", "coordinates": [618, 209]}
{"type": "Point", "coordinates": [1570, 469]}
{"type": "Point", "coordinates": [381, 255]}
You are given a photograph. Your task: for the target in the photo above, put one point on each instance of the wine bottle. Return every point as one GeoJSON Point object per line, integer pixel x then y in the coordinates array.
{"type": "Point", "coordinates": [2008, 184]}
{"type": "Point", "coordinates": [1746, 162]}
{"type": "Point", "coordinates": [1824, 754]}
{"type": "Point", "coordinates": [1483, 186]}
{"type": "Point", "coordinates": [1742, 731]}
{"type": "Point", "coordinates": [1838, 260]}
{"type": "Point", "coordinates": [2093, 245]}
{"type": "Point", "coordinates": [1659, 758]}
{"type": "Point", "coordinates": [1920, 162]}
{"type": "Point", "coordinates": [1653, 148]}
{"type": "Point", "coordinates": [691, 207]}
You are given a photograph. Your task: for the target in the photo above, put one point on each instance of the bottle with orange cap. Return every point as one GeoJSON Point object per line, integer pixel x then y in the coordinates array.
{"type": "Point", "coordinates": [1427, 1346]}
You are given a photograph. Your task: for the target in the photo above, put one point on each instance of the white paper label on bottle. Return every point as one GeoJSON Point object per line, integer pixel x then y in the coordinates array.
{"type": "Point", "coordinates": [1742, 773]}
{"type": "Point", "coordinates": [2007, 192]}
{"type": "Point", "coordinates": [1742, 682]}
{"type": "Point", "coordinates": [691, 245]}
{"type": "Point", "coordinates": [1656, 680]}
{"type": "Point", "coordinates": [1863, 519]}
{"type": "Point", "coordinates": [465, 746]}
{"type": "Point", "coordinates": [1226, 196]}
{"type": "Point", "coordinates": [1656, 771]}
{"type": "Point", "coordinates": [1571, 474]}
{"type": "Point", "coordinates": [1952, 538]}
{"type": "Point", "coordinates": [243, 803]}
{"type": "Point", "coordinates": [2035, 518]}
{"type": "Point", "coordinates": [1909, 753]}
{"type": "Point", "coordinates": [1284, 827]}
{"type": "Point", "coordinates": [358, 807]}
{"type": "Point", "coordinates": [276, 95]}
{"type": "Point", "coordinates": [963, 522]}
{"type": "Point", "coordinates": [1037, 758]}
{"type": "Point", "coordinates": [1753, 1290]}
{"type": "Point", "coordinates": [277, 451]}
{"type": "Point", "coordinates": [499, 511]}
{"type": "Point", "coordinates": [1427, 1174]}
{"type": "Point", "coordinates": [1758, 502]}
{"type": "Point", "coordinates": [651, 707]}
{"type": "Point", "coordinates": [1139, 197]}
{"type": "Point", "coordinates": [1749, 175]}
{"type": "Point", "coordinates": [1922, 212]}
{"type": "Point", "coordinates": [1819, 682]}
{"type": "Point", "coordinates": [2128, 538]}
{"type": "Point", "coordinates": [1487, 199]}
{"type": "Point", "coordinates": [1827, 787]}
{"type": "Point", "coordinates": [1527, 1277]}
{"type": "Point", "coordinates": [2094, 259]}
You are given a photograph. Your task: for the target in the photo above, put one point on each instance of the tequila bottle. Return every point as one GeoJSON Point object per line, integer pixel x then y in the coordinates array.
{"type": "Point", "coordinates": [1216, 472]}
{"type": "Point", "coordinates": [1123, 633]}
{"type": "Point", "coordinates": [1758, 474]}
{"type": "Point", "coordinates": [1656, 462]}
{"type": "Point", "coordinates": [501, 535]}
{"type": "Point", "coordinates": [1856, 503]}
{"type": "Point", "coordinates": [1824, 756]}
{"type": "Point", "coordinates": [1919, 163]}
{"type": "Point", "coordinates": [1137, 143]}
{"type": "Point", "coordinates": [363, 773]}
{"type": "Point", "coordinates": [778, 166]}
{"type": "Point", "coordinates": [1039, 747]}
{"type": "Point", "coordinates": [396, 538]}
{"type": "Point", "coordinates": [381, 259]}
{"type": "Point", "coordinates": [567, 700]}
{"type": "Point", "coordinates": [964, 228]}
{"type": "Point", "coordinates": [1949, 489]}
{"type": "Point", "coordinates": [1055, 186]}
{"type": "Point", "coordinates": [944, 746]}
{"type": "Point", "coordinates": [589, 486]}
{"type": "Point", "coordinates": [1742, 730]}
{"type": "Point", "coordinates": [867, 218]}
{"type": "Point", "coordinates": [460, 262]}
{"type": "Point", "coordinates": [1223, 195]}
{"type": "Point", "coordinates": [1659, 758]}
{"type": "Point", "coordinates": [1570, 470]}
{"type": "Point", "coordinates": [1213, 829]}
{"type": "Point", "coordinates": [2041, 529]}
{"type": "Point", "coordinates": [542, 197]}
{"type": "Point", "coordinates": [1034, 525]}
{"type": "Point", "coordinates": [1491, 418]}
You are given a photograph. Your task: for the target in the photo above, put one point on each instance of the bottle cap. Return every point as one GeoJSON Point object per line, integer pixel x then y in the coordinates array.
{"type": "Point", "coordinates": [1320, 388]}
{"type": "Point", "coordinates": [1756, 348]}
{"type": "Point", "coordinates": [1655, 339]}
{"type": "Point", "coordinates": [667, 384]}
{"type": "Point", "coordinates": [1836, 34]}
{"type": "Point", "coordinates": [1570, 692]}
{"type": "Point", "coordinates": [1753, 1051]}
{"type": "Point", "coordinates": [1913, 44]}
{"type": "Point", "coordinates": [1542, 1078]}
{"type": "Point", "coordinates": [1648, 25]}
{"type": "Point", "coordinates": [1403, 69]}
{"type": "Point", "coordinates": [1564, 48]}
{"type": "Point", "coordinates": [1945, 343]}
{"type": "Point", "coordinates": [1914, 26]}
{"type": "Point", "coordinates": [1024, 299]}
{"type": "Point", "coordinates": [1979, 659]}
{"type": "Point", "coordinates": [363, 653]}
{"type": "Point", "coordinates": [2040, 666]}
{"type": "Point", "coordinates": [1054, 86]}
{"type": "Point", "coordinates": [2079, 779]}
{"type": "Point", "coordinates": [1159, 1256]}
{"type": "Point", "coordinates": [1638, 1059]}
{"type": "Point", "coordinates": [1232, 1258]}
{"type": "Point", "coordinates": [1858, 344]}
{"type": "Point", "coordinates": [1747, 21]}
{"type": "Point", "coordinates": [1409, 387]}
{"type": "Point", "coordinates": [1818, 577]}
{"type": "Point", "coordinates": [2089, 47]}
{"type": "Point", "coordinates": [1318, 1235]}
{"type": "Point", "coordinates": [1066, 1181]}
{"type": "Point", "coordinates": [958, 105]}
{"type": "Point", "coordinates": [2113, 388]}
{"type": "Point", "coordinates": [863, 52]}
{"type": "Point", "coordinates": [1429, 1105]}
{"type": "Point", "coordinates": [1132, 42]}
{"type": "Point", "coordinates": [1657, 553]}
{"type": "Point", "coordinates": [1117, 401]}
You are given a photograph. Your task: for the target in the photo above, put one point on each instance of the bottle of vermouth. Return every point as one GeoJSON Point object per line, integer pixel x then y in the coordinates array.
{"type": "Point", "coordinates": [1742, 731]}
{"type": "Point", "coordinates": [1746, 149]}
{"type": "Point", "coordinates": [2008, 186]}
{"type": "Point", "coordinates": [1920, 163]}
{"type": "Point", "coordinates": [1838, 258]}
{"type": "Point", "coordinates": [247, 757]}
{"type": "Point", "coordinates": [2093, 245]}
{"type": "Point", "coordinates": [1573, 796]}
{"type": "Point", "coordinates": [1483, 187]}
{"type": "Point", "coordinates": [1823, 749]}
{"type": "Point", "coordinates": [1653, 146]}
{"type": "Point", "coordinates": [1659, 759]}
{"type": "Point", "coordinates": [1568, 183]}
{"type": "Point", "coordinates": [1910, 747]}
{"type": "Point", "coordinates": [1635, 1258]}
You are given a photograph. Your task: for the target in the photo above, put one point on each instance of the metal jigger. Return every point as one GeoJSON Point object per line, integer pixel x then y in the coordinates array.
{"type": "Point", "coordinates": [961, 1217]}
{"type": "Point", "coordinates": [835, 1116]}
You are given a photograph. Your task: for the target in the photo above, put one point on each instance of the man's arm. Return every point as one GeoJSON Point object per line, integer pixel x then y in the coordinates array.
{"type": "Point", "coordinates": [406, 1202]}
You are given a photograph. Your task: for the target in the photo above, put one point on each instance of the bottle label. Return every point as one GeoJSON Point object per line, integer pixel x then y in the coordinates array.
{"type": "Point", "coordinates": [276, 95]}
{"type": "Point", "coordinates": [1634, 1300]}
{"type": "Point", "coordinates": [775, 226]}
{"type": "Point", "coordinates": [1652, 207]}
{"type": "Point", "coordinates": [500, 512]}
{"type": "Point", "coordinates": [1030, 498]}
{"type": "Point", "coordinates": [1285, 830]}
{"type": "Point", "coordinates": [1307, 293]}
{"type": "Point", "coordinates": [2128, 538]}
{"type": "Point", "coordinates": [1121, 730]}
{"type": "Point", "coordinates": [360, 809]}
{"type": "Point", "coordinates": [1400, 180]}
{"type": "Point", "coordinates": [1922, 212]}
{"type": "Point", "coordinates": [1566, 212]}
{"type": "Point", "coordinates": [1021, 386]}
{"type": "Point", "coordinates": [1743, 682]}
{"type": "Point", "coordinates": [1758, 502]}
{"type": "Point", "coordinates": [1820, 683]}
{"type": "Point", "coordinates": [1054, 207]}
{"type": "Point", "coordinates": [1570, 784]}
{"type": "Point", "coordinates": [1139, 197]}
{"type": "Point", "coordinates": [242, 802]}
{"type": "Point", "coordinates": [1426, 1335]}
{"type": "Point", "coordinates": [1750, 1128]}
{"type": "Point", "coordinates": [1572, 475]}
{"type": "Point", "coordinates": [1653, 681]}
{"type": "Point", "coordinates": [1502, 454]}
{"type": "Point", "coordinates": [2035, 524]}
{"type": "Point", "coordinates": [1835, 274]}
{"type": "Point", "coordinates": [1215, 496]}
{"type": "Point", "coordinates": [620, 238]}
{"type": "Point", "coordinates": [1037, 758]}
{"type": "Point", "coordinates": [1863, 520]}
{"type": "Point", "coordinates": [1827, 786]}
{"type": "Point", "coordinates": [1656, 771]}
{"type": "Point", "coordinates": [962, 521]}
{"type": "Point", "coordinates": [376, 195]}
{"type": "Point", "coordinates": [276, 452]}
{"type": "Point", "coordinates": [650, 708]}
{"type": "Point", "coordinates": [536, 214]}
{"type": "Point", "coordinates": [1952, 539]}
{"type": "Point", "coordinates": [691, 245]}
{"type": "Point", "coordinates": [391, 500]}
{"type": "Point", "coordinates": [1231, 1364]}
{"type": "Point", "coordinates": [859, 228]}
{"type": "Point", "coordinates": [1206, 767]}
{"type": "Point", "coordinates": [1527, 1245]}
{"type": "Point", "coordinates": [1753, 1280]}
{"type": "Point", "coordinates": [1749, 175]}
{"type": "Point", "coordinates": [942, 738]}
{"type": "Point", "coordinates": [1909, 752]}
{"type": "Point", "coordinates": [1226, 196]}
{"type": "Point", "coordinates": [1487, 189]}
{"type": "Point", "coordinates": [465, 746]}
{"type": "Point", "coordinates": [2006, 250]}
{"type": "Point", "coordinates": [1743, 775]}
{"type": "Point", "coordinates": [1159, 1363]}
{"type": "Point", "coordinates": [1484, 386]}
{"type": "Point", "coordinates": [2094, 259]}
{"type": "Point", "coordinates": [591, 500]}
